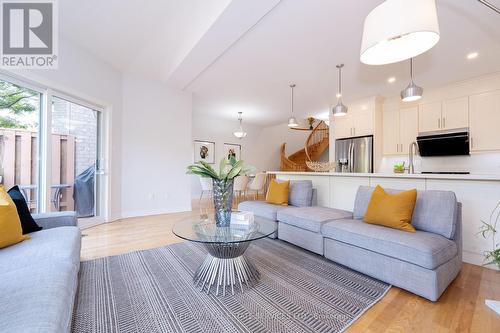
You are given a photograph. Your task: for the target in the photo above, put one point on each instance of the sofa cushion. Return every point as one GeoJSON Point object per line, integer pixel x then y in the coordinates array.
{"type": "Point", "coordinates": [362, 200]}
{"type": "Point", "coordinates": [311, 218]}
{"type": "Point", "coordinates": [38, 298]}
{"type": "Point", "coordinates": [261, 208]}
{"type": "Point", "coordinates": [277, 193]}
{"type": "Point", "coordinates": [56, 219]}
{"type": "Point", "coordinates": [300, 194]}
{"type": "Point", "coordinates": [391, 210]}
{"type": "Point", "coordinates": [45, 246]}
{"type": "Point", "coordinates": [421, 248]}
{"type": "Point", "coordinates": [27, 222]}
{"type": "Point", "coordinates": [435, 211]}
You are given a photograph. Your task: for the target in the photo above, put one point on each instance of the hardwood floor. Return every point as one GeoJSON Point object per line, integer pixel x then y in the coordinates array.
{"type": "Point", "coordinates": [460, 309]}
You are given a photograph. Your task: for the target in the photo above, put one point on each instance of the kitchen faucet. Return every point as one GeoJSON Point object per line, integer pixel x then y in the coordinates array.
{"type": "Point", "coordinates": [412, 150]}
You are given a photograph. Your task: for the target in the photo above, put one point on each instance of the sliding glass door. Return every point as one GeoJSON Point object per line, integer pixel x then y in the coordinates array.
{"type": "Point", "coordinates": [75, 148]}
{"type": "Point", "coordinates": [59, 145]}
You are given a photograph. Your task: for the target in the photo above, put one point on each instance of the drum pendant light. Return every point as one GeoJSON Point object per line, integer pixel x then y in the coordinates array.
{"type": "Point", "coordinates": [339, 109]}
{"type": "Point", "coordinates": [412, 92]}
{"type": "Point", "coordinates": [397, 30]}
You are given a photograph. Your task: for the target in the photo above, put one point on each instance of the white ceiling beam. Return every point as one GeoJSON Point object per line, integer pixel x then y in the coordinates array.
{"type": "Point", "coordinates": [239, 17]}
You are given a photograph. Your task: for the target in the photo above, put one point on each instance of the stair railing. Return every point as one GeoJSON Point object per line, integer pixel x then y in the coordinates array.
{"type": "Point", "coordinates": [319, 134]}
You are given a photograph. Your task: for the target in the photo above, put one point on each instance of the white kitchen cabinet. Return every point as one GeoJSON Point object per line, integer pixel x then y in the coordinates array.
{"type": "Point", "coordinates": [342, 127]}
{"type": "Point", "coordinates": [343, 191]}
{"type": "Point", "coordinates": [358, 122]}
{"type": "Point", "coordinates": [390, 128]}
{"type": "Point", "coordinates": [408, 128]}
{"type": "Point", "coordinates": [449, 114]}
{"type": "Point", "coordinates": [455, 113]}
{"type": "Point", "coordinates": [484, 121]}
{"type": "Point", "coordinates": [400, 128]}
{"type": "Point", "coordinates": [362, 121]}
{"type": "Point", "coordinates": [429, 117]}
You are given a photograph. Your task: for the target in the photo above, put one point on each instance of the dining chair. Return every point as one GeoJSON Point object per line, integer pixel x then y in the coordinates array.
{"type": "Point", "coordinates": [257, 185]}
{"type": "Point", "coordinates": [240, 187]}
{"type": "Point", "coordinates": [206, 187]}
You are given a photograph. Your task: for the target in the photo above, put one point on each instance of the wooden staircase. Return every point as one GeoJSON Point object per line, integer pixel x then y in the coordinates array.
{"type": "Point", "coordinates": [316, 144]}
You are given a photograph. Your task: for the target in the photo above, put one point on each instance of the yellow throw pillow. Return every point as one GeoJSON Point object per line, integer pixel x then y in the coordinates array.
{"type": "Point", "coordinates": [11, 231]}
{"type": "Point", "coordinates": [391, 210]}
{"type": "Point", "coordinates": [278, 192]}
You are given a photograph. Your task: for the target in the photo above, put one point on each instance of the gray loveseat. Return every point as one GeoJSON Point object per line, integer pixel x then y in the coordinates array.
{"type": "Point", "coordinates": [424, 262]}
{"type": "Point", "coordinates": [39, 277]}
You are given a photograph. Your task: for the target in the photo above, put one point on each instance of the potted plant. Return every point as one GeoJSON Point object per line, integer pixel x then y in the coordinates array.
{"type": "Point", "coordinates": [223, 181]}
{"type": "Point", "coordinates": [399, 167]}
{"type": "Point", "coordinates": [492, 257]}
{"type": "Point", "coordinates": [310, 121]}
{"type": "Point", "coordinates": [489, 229]}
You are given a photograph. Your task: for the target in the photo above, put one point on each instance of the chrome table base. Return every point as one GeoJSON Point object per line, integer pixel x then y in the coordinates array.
{"type": "Point", "coordinates": [225, 267]}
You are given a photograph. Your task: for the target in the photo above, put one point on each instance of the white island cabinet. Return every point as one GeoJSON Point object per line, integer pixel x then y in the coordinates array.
{"type": "Point", "coordinates": [478, 194]}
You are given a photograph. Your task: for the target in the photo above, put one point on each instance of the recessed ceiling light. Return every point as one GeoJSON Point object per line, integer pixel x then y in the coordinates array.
{"type": "Point", "coordinates": [472, 55]}
{"type": "Point", "coordinates": [391, 79]}
{"type": "Point", "coordinates": [338, 95]}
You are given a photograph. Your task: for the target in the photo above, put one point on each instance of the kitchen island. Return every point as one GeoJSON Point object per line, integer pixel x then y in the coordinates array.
{"type": "Point", "coordinates": [479, 194]}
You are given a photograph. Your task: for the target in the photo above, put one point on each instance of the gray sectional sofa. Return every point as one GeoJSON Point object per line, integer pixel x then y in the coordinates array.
{"type": "Point", "coordinates": [39, 277]}
{"type": "Point", "coordinates": [424, 262]}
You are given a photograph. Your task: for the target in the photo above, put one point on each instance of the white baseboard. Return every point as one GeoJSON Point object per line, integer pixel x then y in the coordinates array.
{"type": "Point", "coordinates": [150, 212]}
{"type": "Point", "coordinates": [476, 259]}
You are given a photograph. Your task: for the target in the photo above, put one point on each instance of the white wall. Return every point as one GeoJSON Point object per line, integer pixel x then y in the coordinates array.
{"type": "Point", "coordinates": [271, 139]}
{"type": "Point", "coordinates": [261, 147]}
{"type": "Point", "coordinates": [156, 148]}
{"type": "Point", "coordinates": [151, 142]}
{"type": "Point", "coordinates": [84, 76]}
{"type": "Point", "coordinates": [477, 162]}
{"type": "Point", "coordinates": [220, 131]}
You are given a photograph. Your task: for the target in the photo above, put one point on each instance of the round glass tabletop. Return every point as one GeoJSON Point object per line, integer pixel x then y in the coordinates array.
{"type": "Point", "coordinates": [203, 229]}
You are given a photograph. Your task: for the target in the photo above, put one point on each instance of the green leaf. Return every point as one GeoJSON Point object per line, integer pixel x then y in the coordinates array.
{"type": "Point", "coordinates": [235, 171]}
{"type": "Point", "coordinates": [209, 169]}
{"type": "Point", "coordinates": [223, 168]}
{"type": "Point", "coordinates": [194, 170]}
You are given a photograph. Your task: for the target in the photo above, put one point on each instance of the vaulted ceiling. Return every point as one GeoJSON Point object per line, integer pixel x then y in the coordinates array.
{"type": "Point", "coordinates": [241, 56]}
{"type": "Point", "coordinates": [147, 37]}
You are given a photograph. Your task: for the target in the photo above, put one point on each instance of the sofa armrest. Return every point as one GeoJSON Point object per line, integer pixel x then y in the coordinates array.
{"type": "Point", "coordinates": [457, 238]}
{"type": "Point", "coordinates": [56, 219]}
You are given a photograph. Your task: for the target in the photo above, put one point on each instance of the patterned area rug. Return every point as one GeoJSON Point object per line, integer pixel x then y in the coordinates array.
{"type": "Point", "coordinates": [153, 291]}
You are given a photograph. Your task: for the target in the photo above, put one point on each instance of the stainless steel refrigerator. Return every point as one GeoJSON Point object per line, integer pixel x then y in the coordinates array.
{"type": "Point", "coordinates": [354, 154]}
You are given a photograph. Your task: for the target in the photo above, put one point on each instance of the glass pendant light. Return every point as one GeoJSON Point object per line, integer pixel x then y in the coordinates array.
{"type": "Point", "coordinates": [292, 122]}
{"type": "Point", "coordinates": [412, 92]}
{"type": "Point", "coordinates": [397, 30]}
{"type": "Point", "coordinates": [339, 109]}
{"type": "Point", "coordinates": [239, 132]}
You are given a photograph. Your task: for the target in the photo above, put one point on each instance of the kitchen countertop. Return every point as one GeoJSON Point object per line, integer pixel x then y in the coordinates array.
{"type": "Point", "coordinates": [486, 177]}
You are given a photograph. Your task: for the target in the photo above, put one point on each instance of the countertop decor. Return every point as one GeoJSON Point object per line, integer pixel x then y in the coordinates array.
{"type": "Point", "coordinates": [320, 166]}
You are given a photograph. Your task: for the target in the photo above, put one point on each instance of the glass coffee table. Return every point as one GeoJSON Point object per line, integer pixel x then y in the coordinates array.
{"type": "Point", "coordinates": [225, 265]}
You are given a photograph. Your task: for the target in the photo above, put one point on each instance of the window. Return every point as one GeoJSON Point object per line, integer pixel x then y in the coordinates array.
{"type": "Point", "coordinates": [60, 145]}
{"type": "Point", "coordinates": [19, 134]}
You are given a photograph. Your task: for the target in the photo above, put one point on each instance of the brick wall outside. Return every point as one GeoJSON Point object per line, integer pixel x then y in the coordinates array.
{"type": "Point", "coordinates": [81, 122]}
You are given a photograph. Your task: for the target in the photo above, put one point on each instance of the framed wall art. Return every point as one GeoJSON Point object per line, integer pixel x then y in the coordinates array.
{"type": "Point", "coordinates": [204, 151]}
{"type": "Point", "coordinates": [232, 150]}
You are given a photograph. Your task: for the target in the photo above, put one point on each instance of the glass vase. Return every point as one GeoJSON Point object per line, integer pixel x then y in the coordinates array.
{"type": "Point", "coordinates": [223, 201]}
